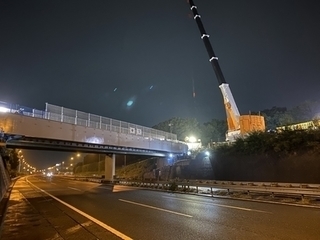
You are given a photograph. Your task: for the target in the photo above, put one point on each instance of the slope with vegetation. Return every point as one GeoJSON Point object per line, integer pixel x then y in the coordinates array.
{"type": "Point", "coordinates": [289, 156]}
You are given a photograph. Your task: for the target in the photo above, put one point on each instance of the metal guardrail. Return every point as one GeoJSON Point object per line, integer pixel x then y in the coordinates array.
{"type": "Point", "coordinates": [208, 187]}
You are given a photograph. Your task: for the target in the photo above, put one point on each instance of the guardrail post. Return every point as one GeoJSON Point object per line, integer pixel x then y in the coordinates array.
{"type": "Point", "coordinates": [228, 191]}
{"type": "Point", "coordinates": [302, 197]}
{"type": "Point", "coordinates": [211, 191]}
{"type": "Point", "coordinates": [272, 194]}
{"type": "Point", "coordinates": [197, 189]}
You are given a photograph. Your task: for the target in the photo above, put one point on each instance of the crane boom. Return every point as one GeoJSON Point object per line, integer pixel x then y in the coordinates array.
{"type": "Point", "coordinates": [205, 37]}
{"type": "Point", "coordinates": [231, 108]}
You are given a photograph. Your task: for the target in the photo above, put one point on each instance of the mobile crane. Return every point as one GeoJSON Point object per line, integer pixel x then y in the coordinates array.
{"type": "Point", "coordinates": [238, 125]}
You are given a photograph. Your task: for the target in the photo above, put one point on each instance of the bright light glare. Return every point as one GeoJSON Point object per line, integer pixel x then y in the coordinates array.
{"type": "Point", "coordinates": [98, 140]}
{"type": "Point", "coordinates": [4, 109]}
{"type": "Point", "coordinates": [129, 103]}
{"type": "Point", "coordinates": [192, 139]}
{"type": "Point", "coordinates": [207, 153]}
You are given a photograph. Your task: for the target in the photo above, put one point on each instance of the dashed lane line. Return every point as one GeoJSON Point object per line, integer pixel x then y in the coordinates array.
{"type": "Point", "coordinates": [156, 208]}
{"type": "Point", "coordinates": [221, 205]}
{"type": "Point", "coordinates": [76, 189]}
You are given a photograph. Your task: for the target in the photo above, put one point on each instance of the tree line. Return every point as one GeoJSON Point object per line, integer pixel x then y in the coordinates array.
{"type": "Point", "coordinates": [215, 130]}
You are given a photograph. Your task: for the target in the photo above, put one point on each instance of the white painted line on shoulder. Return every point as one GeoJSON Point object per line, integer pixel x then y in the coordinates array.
{"type": "Point", "coordinates": [105, 226]}
{"type": "Point", "coordinates": [156, 208]}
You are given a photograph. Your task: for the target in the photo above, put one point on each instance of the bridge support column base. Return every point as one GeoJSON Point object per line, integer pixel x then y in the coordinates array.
{"type": "Point", "coordinates": [110, 165]}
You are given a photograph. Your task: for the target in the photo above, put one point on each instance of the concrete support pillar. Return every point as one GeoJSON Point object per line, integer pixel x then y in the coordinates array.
{"type": "Point", "coordinates": [110, 166]}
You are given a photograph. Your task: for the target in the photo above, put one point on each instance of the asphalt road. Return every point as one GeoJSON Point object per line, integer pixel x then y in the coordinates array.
{"type": "Point", "coordinates": [145, 214]}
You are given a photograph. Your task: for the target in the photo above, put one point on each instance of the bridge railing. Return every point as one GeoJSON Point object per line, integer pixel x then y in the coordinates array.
{"type": "Point", "coordinates": [76, 117]}
{"type": "Point", "coordinates": [66, 115]}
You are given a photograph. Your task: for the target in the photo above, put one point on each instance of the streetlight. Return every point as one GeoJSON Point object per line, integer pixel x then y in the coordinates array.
{"type": "Point", "coordinates": [72, 158]}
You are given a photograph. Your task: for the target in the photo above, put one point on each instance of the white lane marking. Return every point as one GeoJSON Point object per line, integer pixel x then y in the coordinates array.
{"type": "Point", "coordinates": [75, 189]}
{"type": "Point", "coordinates": [53, 183]}
{"type": "Point", "coordinates": [117, 188]}
{"type": "Point", "coordinates": [77, 227]}
{"type": "Point", "coordinates": [105, 226]}
{"type": "Point", "coordinates": [156, 208]}
{"type": "Point", "coordinates": [221, 205]}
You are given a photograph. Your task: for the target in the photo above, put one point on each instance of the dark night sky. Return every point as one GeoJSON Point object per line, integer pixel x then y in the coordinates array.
{"type": "Point", "coordinates": [76, 53]}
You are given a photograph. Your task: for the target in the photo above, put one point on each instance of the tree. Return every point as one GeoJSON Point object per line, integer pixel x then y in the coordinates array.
{"type": "Point", "coordinates": [273, 117]}
{"type": "Point", "coordinates": [181, 126]}
{"type": "Point", "coordinates": [281, 116]}
{"type": "Point", "coordinates": [213, 131]}
{"type": "Point", "coordinates": [305, 111]}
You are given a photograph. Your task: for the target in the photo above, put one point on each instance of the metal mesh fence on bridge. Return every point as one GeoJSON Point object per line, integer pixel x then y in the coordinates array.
{"type": "Point", "coordinates": [71, 116]}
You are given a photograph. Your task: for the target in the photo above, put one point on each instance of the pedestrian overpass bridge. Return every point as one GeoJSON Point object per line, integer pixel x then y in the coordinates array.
{"type": "Point", "coordinates": [64, 129]}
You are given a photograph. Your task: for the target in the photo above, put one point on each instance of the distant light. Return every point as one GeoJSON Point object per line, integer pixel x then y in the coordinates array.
{"type": "Point", "coordinates": [207, 153]}
{"type": "Point", "coordinates": [170, 155]}
{"type": "Point", "coordinates": [115, 89]}
{"type": "Point", "coordinates": [189, 153]}
{"type": "Point", "coordinates": [192, 139]}
{"type": "Point", "coordinates": [4, 109]}
{"type": "Point", "coordinates": [129, 103]}
{"type": "Point", "coordinates": [151, 87]}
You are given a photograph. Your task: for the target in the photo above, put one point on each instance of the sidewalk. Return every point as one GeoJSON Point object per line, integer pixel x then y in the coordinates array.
{"type": "Point", "coordinates": [33, 215]}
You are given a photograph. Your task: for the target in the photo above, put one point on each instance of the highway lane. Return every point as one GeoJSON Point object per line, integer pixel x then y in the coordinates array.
{"type": "Point", "coordinates": [144, 214]}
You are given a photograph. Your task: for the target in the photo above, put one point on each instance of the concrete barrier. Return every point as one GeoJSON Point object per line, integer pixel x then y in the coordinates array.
{"type": "Point", "coordinates": [4, 179]}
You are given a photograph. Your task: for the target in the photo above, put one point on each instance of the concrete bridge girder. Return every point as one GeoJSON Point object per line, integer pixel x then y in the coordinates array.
{"type": "Point", "coordinates": [49, 129]}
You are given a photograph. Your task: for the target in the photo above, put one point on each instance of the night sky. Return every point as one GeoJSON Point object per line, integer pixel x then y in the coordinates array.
{"type": "Point", "coordinates": [97, 56]}
{"type": "Point", "coordinates": [139, 61]}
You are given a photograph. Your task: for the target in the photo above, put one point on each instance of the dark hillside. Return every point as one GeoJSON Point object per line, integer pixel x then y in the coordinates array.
{"type": "Point", "coordinates": [289, 156]}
